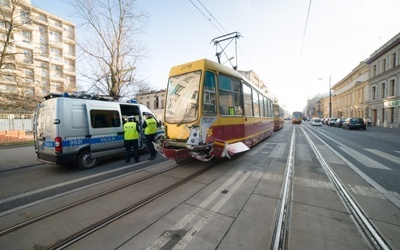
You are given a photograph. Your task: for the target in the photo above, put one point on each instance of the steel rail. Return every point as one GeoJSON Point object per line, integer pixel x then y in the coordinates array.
{"type": "Point", "coordinates": [80, 202]}
{"type": "Point", "coordinates": [108, 220]}
{"type": "Point", "coordinates": [281, 231]}
{"type": "Point", "coordinates": [358, 214]}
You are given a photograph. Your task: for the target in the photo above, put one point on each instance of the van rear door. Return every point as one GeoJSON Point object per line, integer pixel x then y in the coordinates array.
{"type": "Point", "coordinates": [44, 128]}
{"type": "Point", "coordinates": [106, 128]}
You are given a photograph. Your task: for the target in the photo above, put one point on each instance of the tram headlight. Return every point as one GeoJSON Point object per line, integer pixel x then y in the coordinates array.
{"type": "Point", "coordinates": [194, 137]}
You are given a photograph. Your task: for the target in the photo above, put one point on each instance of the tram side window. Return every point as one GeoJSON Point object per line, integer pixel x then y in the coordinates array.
{"type": "Point", "coordinates": [256, 104]}
{"type": "Point", "coordinates": [229, 96]}
{"type": "Point", "coordinates": [248, 101]}
{"type": "Point", "coordinates": [209, 94]}
{"type": "Point", "coordinates": [263, 106]}
{"type": "Point", "coordinates": [104, 118]}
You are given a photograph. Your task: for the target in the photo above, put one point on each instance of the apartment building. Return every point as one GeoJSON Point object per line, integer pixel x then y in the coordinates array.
{"type": "Point", "coordinates": [41, 56]}
{"type": "Point", "coordinates": [383, 89]}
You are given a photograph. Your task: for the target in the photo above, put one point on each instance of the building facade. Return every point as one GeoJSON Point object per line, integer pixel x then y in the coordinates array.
{"type": "Point", "coordinates": [349, 98]}
{"type": "Point", "coordinates": [41, 55]}
{"type": "Point", "coordinates": [155, 101]}
{"type": "Point", "coordinates": [383, 89]}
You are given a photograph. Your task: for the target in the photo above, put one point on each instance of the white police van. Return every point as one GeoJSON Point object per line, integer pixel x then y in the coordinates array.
{"type": "Point", "coordinates": [79, 129]}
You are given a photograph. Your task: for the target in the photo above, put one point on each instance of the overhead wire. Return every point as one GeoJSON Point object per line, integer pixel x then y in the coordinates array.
{"type": "Point", "coordinates": [209, 19]}
{"type": "Point", "coordinates": [211, 16]}
{"type": "Point", "coordinates": [304, 32]}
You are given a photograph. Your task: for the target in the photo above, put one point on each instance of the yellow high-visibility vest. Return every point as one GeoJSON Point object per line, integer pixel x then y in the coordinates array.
{"type": "Point", "coordinates": [151, 127]}
{"type": "Point", "coordinates": [130, 132]}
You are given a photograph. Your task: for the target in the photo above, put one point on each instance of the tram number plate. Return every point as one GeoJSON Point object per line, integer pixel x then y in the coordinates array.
{"type": "Point", "coordinates": [186, 66]}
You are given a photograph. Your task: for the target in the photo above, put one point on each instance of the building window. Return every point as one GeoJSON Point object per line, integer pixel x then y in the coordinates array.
{"type": "Point", "coordinates": [5, 2]}
{"type": "Point", "coordinates": [56, 71]}
{"type": "Point", "coordinates": [383, 90]}
{"type": "Point", "coordinates": [383, 115]}
{"type": "Point", "coordinates": [391, 114]}
{"type": "Point", "coordinates": [384, 65]}
{"type": "Point", "coordinates": [394, 60]}
{"type": "Point", "coordinates": [392, 83]}
{"type": "Point", "coordinates": [29, 76]}
{"type": "Point", "coordinates": [55, 37]}
{"type": "Point", "coordinates": [28, 56]}
{"type": "Point", "coordinates": [42, 17]}
{"type": "Point", "coordinates": [55, 54]}
{"type": "Point", "coordinates": [373, 93]}
{"type": "Point", "coordinates": [374, 72]}
{"type": "Point", "coordinates": [25, 16]}
{"type": "Point", "coordinates": [27, 36]}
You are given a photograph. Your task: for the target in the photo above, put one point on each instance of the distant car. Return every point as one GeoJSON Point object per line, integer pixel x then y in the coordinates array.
{"type": "Point", "coordinates": [339, 122]}
{"type": "Point", "coordinates": [332, 121]}
{"type": "Point", "coordinates": [316, 122]}
{"type": "Point", "coordinates": [354, 123]}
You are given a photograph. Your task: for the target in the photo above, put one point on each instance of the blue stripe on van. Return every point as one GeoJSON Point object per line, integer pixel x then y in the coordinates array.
{"type": "Point", "coordinates": [81, 141]}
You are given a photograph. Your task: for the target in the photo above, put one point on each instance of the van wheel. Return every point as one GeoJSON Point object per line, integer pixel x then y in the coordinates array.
{"type": "Point", "coordinates": [85, 160]}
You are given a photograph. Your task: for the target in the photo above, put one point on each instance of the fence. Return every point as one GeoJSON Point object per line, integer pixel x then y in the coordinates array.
{"type": "Point", "coordinates": [16, 126]}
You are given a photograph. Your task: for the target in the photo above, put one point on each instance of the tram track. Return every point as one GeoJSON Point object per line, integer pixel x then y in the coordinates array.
{"type": "Point", "coordinates": [360, 218]}
{"type": "Point", "coordinates": [76, 236]}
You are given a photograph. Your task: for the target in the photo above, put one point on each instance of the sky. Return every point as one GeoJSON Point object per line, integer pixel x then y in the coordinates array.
{"type": "Point", "coordinates": [294, 46]}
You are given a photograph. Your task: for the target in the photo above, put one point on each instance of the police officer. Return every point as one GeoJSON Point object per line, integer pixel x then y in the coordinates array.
{"type": "Point", "coordinates": [150, 131]}
{"type": "Point", "coordinates": [131, 136]}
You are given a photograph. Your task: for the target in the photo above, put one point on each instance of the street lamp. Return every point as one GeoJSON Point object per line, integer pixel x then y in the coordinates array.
{"type": "Point", "coordinates": [330, 97]}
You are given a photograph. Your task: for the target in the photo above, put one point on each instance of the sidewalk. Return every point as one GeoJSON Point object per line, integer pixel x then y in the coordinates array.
{"type": "Point", "coordinates": [16, 157]}
{"type": "Point", "coordinates": [383, 129]}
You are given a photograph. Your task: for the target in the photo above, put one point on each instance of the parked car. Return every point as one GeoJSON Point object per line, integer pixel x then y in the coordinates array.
{"type": "Point", "coordinates": [354, 123]}
{"type": "Point", "coordinates": [339, 122]}
{"type": "Point", "coordinates": [316, 122]}
{"type": "Point", "coordinates": [332, 121]}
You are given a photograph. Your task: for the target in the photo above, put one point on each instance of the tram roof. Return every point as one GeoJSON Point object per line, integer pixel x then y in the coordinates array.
{"type": "Point", "coordinates": [212, 65]}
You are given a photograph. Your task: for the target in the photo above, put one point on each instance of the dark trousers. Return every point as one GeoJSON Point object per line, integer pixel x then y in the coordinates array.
{"type": "Point", "coordinates": [149, 144]}
{"type": "Point", "coordinates": [135, 146]}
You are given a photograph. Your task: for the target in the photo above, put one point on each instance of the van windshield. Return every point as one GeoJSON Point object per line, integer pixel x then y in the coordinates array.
{"type": "Point", "coordinates": [182, 98]}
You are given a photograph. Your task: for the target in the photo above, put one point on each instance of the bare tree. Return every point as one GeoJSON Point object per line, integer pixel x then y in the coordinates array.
{"type": "Point", "coordinates": [110, 46]}
{"type": "Point", "coordinates": [17, 81]}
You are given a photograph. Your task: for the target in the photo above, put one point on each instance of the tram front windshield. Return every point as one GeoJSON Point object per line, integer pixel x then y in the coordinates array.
{"type": "Point", "coordinates": [182, 98]}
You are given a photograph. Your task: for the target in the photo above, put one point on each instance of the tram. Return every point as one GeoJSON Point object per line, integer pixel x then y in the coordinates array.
{"type": "Point", "coordinates": [297, 117]}
{"type": "Point", "coordinates": [279, 114]}
{"type": "Point", "coordinates": [211, 111]}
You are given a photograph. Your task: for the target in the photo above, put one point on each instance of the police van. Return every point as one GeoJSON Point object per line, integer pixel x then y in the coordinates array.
{"type": "Point", "coordinates": [79, 129]}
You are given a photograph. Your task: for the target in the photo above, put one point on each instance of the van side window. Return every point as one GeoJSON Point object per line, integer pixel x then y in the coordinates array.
{"type": "Point", "coordinates": [105, 118]}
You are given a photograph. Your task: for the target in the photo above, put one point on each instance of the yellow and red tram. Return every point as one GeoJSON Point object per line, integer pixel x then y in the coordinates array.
{"type": "Point", "coordinates": [279, 114]}
{"type": "Point", "coordinates": [212, 111]}
{"type": "Point", "coordinates": [297, 117]}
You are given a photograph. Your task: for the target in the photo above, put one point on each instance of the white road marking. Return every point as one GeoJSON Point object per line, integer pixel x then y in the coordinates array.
{"type": "Point", "coordinates": [199, 225]}
{"type": "Point", "coordinates": [273, 177]}
{"type": "Point", "coordinates": [387, 156]}
{"type": "Point", "coordinates": [313, 183]}
{"type": "Point", "coordinates": [370, 192]}
{"type": "Point", "coordinates": [365, 160]}
{"type": "Point", "coordinates": [278, 150]}
{"type": "Point", "coordinates": [186, 219]}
